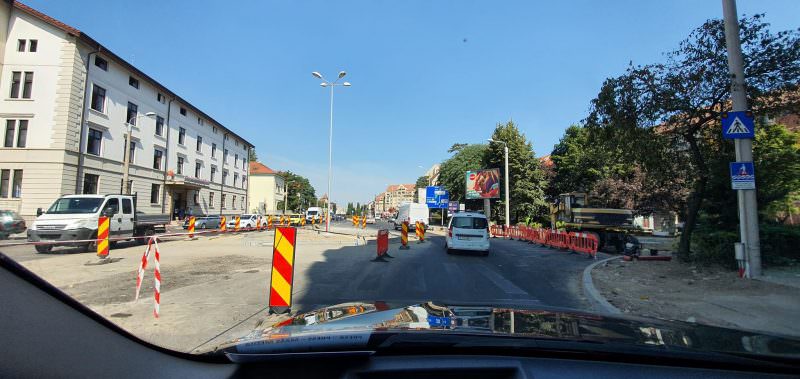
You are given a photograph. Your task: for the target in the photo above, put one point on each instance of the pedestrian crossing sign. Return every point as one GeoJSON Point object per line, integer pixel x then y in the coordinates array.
{"type": "Point", "coordinates": [738, 125]}
{"type": "Point", "coordinates": [743, 176]}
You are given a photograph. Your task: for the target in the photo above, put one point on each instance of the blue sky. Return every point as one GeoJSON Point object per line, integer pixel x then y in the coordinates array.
{"type": "Point", "coordinates": [425, 74]}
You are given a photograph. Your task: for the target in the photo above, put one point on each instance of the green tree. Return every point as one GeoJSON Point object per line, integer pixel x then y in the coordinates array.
{"type": "Point", "coordinates": [526, 179]}
{"type": "Point", "coordinates": [350, 209]}
{"type": "Point", "coordinates": [453, 171]}
{"type": "Point", "coordinates": [297, 185]}
{"type": "Point", "coordinates": [252, 156]}
{"type": "Point", "coordinates": [422, 182]}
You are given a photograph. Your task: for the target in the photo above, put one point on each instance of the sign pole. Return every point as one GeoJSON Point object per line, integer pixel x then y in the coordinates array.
{"type": "Point", "coordinates": [748, 210]}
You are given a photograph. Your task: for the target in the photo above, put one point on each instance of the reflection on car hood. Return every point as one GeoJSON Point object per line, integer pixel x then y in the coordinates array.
{"type": "Point", "coordinates": [350, 326]}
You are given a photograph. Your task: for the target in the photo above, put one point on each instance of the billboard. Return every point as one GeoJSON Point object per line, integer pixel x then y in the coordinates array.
{"type": "Point", "coordinates": [483, 184]}
{"type": "Point", "coordinates": [436, 197]}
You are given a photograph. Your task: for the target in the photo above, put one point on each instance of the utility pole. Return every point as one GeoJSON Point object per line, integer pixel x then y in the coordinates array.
{"type": "Point", "coordinates": [748, 209]}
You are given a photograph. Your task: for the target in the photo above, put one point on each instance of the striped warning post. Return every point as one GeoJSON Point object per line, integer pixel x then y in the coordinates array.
{"type": "Point", "coordinates": [102, 237]}
{"type": "Point", "coordinates": [191, 227]}
{"type": "Point", "coordinates": [355, 220]}
{"type": "Point", "coordinates": [282, 277]}
{"type": "Point", "coordinates": [142, 267]}
{"type": "Point", "coordinates": [236, 224]}
{"type": "Point", "coordinates": [157, 283]}
{"type": "Point", "coordinates": [363, 222]}
{"type": "Point", "coordinates": [269, 222]}
{"type": "Point", "coordinates": [223, 224]}
{"type": "Point", "coordinates": [404, 236]}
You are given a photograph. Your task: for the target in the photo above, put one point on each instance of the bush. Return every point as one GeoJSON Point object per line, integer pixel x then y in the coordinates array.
{"type": "Point", "coordinates": [780, 246]}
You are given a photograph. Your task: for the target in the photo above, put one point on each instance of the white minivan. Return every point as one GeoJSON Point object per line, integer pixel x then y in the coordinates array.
{"type": "Point", "coordinates": [468, 231]}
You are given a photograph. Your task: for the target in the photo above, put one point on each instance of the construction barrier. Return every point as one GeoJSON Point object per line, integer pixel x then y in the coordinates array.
{"type": "Point", "coordinates": [237, 223]}
{"type": "Point", "coordinates": [496, 231]}
{"type": "Point", "coordinates": [152, 242]}
{"type": "Point", "coordinates": [223, 224]}
{"type": "Point", "coordinates": [102, 237]}
{"type": "Point", "coordinates": [404, 236]}
{"type": "Point", "coordinates": [355, 220]}
{"type": "Point", "coordinates": [191, 227]}
{"type": "Point", "coordinates": [269, 222]}
{"type": "Point", "coordinates": [383, 246]}
{"type": "Point", "coordinates": [282, 277]}
{"type": "Point", "coordinates": [420, 232]}
{"type": "Point", "coordinates": [363, 222]}
{"type": "Point", "coordinates": [586, 243]}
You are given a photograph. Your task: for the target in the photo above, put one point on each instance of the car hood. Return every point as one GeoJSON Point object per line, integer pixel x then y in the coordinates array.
{"type": "Point", "coordinates": [355, 325]}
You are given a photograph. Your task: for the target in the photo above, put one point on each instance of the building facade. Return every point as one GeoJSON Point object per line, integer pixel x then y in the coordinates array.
{"type": "Point", "coordinates": [433, 174]}
{"type": "Point", "coordinates": [397, 194]}
{"type": "Point", "coordinates": [69, 103]}
{"type": "Point", "coordinates": [267, 189]}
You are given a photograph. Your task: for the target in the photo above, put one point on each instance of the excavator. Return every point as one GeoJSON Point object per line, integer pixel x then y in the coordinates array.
{"type": "Point", "coordinates": [572, 212]}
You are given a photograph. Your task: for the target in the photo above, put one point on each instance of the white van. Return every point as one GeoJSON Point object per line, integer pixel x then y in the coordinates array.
{"type": "Point", "coordinates": [314, 214]}
{"type": "Point", "coordinates": [467, 231]}
{"type": "Point", "coordinates": [411, 212]}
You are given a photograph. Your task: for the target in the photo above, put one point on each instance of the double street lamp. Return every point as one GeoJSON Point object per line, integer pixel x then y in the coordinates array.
{"type": "Point", "coordinates": [327, 83]}
{"type": "Point", "coordinates": [127, 151]}
{"type": "Point", "coordinates": [505, 151]}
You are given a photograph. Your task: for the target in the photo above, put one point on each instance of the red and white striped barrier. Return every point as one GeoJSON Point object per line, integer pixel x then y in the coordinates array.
{"type": "Point", "coordinates": [156, 272]}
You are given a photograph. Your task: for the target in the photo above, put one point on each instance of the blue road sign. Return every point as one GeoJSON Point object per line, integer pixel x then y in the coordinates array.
{"type": "Point", "coordinates": [738, 125]}
{"type": "Point", "coordinates": [452, 206]}
{"type": "Point", "coordinates": [436, 197]}
{"type": "Point", "coordinates": [743, 176]}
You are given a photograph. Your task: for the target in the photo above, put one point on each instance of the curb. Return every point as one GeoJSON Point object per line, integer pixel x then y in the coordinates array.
{"type": "Point", "coordinates": [595, 298]}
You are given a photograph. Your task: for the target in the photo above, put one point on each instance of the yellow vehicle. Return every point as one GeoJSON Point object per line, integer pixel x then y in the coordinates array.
{"type": "Point", "coordinates": [572, 212]}
{"type": "Point", "coordinates": [296, 219]}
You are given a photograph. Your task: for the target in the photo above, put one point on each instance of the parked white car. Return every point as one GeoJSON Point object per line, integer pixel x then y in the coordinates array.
{"type": "Point", "coordinates": [468, 231]}
{"type": "Point", "coordinates": [245, 221]}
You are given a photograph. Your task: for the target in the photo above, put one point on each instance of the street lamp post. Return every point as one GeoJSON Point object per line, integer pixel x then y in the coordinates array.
{"type": "Point", "coordinates": [126, 188]}
{"type": "Point", "coordinates": [505, 151]}
{"type": "Point", "coordinates": [326, 83]}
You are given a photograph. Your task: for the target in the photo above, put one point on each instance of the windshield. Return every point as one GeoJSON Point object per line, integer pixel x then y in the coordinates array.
{"type": "Point", "coordinates": [469, 223]}
{"type": "Point", "coordinates": [478, 165]}
{"type": "Point", "coordinates": [75, 205]}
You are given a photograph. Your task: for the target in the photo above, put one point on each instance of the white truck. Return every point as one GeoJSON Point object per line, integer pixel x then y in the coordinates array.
{"type": "Point", "coordinates": [74, 218]}
{"type": "Point", "coordinates": [411, 212]}
{"type": "Point", "coordinates": [314, 214]}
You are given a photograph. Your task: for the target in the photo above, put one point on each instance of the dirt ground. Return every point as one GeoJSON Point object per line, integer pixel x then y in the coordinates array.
{"type": "Point", "coordinates": [675, 291]}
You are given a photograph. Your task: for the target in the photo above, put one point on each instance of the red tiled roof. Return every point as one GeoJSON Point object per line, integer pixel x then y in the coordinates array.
{"type": "Point", "coordinates": [258, 168]}
{"type": "Point", "coordinates": [395, 187]}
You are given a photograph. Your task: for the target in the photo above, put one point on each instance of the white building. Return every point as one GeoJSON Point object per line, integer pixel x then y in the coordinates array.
{"type": "Point", "coordinates": [64, 131]}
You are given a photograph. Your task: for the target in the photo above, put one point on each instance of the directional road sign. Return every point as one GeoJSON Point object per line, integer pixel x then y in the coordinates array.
{"type": "Point", "coordinates": [738, 125]}
{"type": "Point", "coordinates": [452, 206]}
{"type": "Point", "coordinates": [436, 197]}
{"type": "Point", "coordinates": [743, 176]}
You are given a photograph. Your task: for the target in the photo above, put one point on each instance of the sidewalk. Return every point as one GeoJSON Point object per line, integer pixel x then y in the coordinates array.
{"type": "Point", "coordinates": [675, 291]}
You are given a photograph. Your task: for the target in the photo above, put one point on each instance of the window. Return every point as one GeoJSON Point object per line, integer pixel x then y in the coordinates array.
{"type": "Point", "coordinates": [200, 121]}
{"type": "Point", "coordinates": [236, 160]}
{"type": "Point", "coordinates": [224, 176]}
{"type": "Point", "coordinates": [22, 133]}
{"type": "Point", "coordinates": [222, 201]}
{"type": "Point", "coordinates": [4, 177]}
{"type": "Point", "coordinates": [242, 203]}
{"type": "Point", "coordinates": [213, 172]}
{"type": "Point", "coordinates": [214, 129]}
{"type": "Point", "coordinates": [157, 155]}
{"type": "Point", "coordinates": [237, 142]}
{"type": "Point", "coordinates": [213, 150]}
{"type": "Point", "coordinates": [94, 139]}
{"type": "Point", "coordinates": [33, 45]}
{"type": "Point", "coordinates": [233, 201]}
{"type": "Point", "coordinates": [90, 183]}
{"type": "Point", "coordinates": [181, 136]}
{"type": "Point", "coordinates": [161, 98]}
{"type": "Point", "coordinates": [224, 156]}
{"type": "Point", "coordinates": [183, 111]}
{"type": "Point", "coordinates": [235, 179]}
{"type": "Point", "coordinates": [15, 80]}
{"type": "Point", "coordinates": [131, 151]}
{"type": "Point", "coordinates": [131, 114]}
{"type": "Point", "coordinates": [98, 98]}
{"type": "Point", "coordinates": [180, 165]}
{"type": "Point", "coordinates": [28, 85]}
{"type": "Point", "coordinates": [11, 126]}
{"type": "Point", "coordinates": [133, 82]}
{"type": "Point", "coordinates": [16, 185]}
{"type": "Point", "coordinates": [211, 200]}
{"type": "Point", "coordinates": [244, 181]}
{"type": "Point", "coordinates": [100, 62]}
{"type": "Point", "coordinates": [196, 197]}
{"type": "Point", "coordinates": [127, 207]}
{"type": "Point", "coordinates": [198, 167]}
{"type": "Point", "coordinates": [155, 189]}
{"type": "Point", "coordinates": [21, 45]}
{"type": "Point", "coordinates": [159, 126]}
{"type": "Point", "coordinates": [199, 143]}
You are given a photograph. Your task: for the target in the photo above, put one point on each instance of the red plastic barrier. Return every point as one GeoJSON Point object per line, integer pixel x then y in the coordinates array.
{"type": "Point", "coordinates": [496, 231]}
{"type": "Point", "coordinates": [583, 243]}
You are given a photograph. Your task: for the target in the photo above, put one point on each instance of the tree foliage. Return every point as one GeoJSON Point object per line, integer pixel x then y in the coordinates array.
{"type": "Point", "coordinates": [297, 184]}
{"type": "Point", "coordinates": [252, 156]}
{"type": "Point", "coordinates": [452, 173]}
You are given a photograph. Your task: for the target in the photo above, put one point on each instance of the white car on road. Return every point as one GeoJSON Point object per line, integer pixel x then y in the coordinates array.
{"type": "Point", "coordinates": [245, 221]}
{"type": "Point", "coordinates": [468, 231]}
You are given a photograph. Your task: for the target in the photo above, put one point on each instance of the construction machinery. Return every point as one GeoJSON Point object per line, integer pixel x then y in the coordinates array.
{"type": "Point", "coordinates": [572, 212]}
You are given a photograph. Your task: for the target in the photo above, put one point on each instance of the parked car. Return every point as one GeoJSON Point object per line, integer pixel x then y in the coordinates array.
{"type": "Point", "coordinates": [296, 219]}
{"type": "Point", "coordinates": [204, 222]}
{"type": "Point", "coordinates": [467, 231]}
{"type": "Point", "coordinates": [10, 223]}
{"type": "Point", "coordinates": [370, 220]}
{"type": "Point", "coordinates": [245, 221]}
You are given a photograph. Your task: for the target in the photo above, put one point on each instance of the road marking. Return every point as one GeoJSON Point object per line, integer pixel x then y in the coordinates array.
{"type": "Point", "coordinates": [501, 282]}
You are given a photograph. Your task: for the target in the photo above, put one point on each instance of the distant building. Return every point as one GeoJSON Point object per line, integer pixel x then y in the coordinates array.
{"type": "Point", "coordinates": [397, 194]}
{"type": "Point", "coordinates": [266, 189]}
{"type": "Point", "coordinates": [433, 175]}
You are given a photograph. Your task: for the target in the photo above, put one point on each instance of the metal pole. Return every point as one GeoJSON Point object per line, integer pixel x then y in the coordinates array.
{"type": "Point", "coordinates": [330, 168]}
{"type": "Point", "coordinates": [748, 209]}
{"type": "Point", "coordinates": [127, 161]}
{"type": "Point", "coordinates": [508, 216]}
